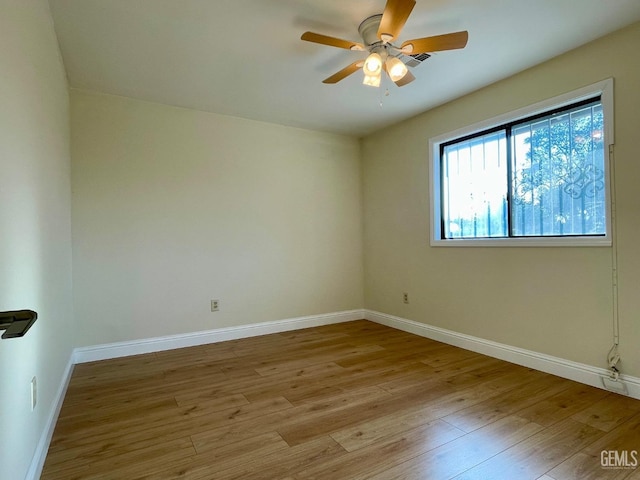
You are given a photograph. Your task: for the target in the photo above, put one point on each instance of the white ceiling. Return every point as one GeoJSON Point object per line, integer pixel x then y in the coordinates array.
{"type": "Point", "coordinates": [245, 57]}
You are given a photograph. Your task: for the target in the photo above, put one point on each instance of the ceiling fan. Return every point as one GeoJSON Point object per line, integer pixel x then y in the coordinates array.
{"type": "Point", "coordinates": [378, 32]}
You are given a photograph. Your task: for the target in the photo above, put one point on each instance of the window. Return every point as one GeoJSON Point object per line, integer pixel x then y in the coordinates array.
{"type": "Point", "coordinates": [538, 176]}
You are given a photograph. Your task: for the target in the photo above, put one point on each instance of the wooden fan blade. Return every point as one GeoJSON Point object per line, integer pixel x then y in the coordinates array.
{"type": "Point", "coordinates": [344, 73]}
{"type": "Point", "coordinates": [408, 78]}
{"type": "Point", "coordinates": [448, 41]}
{"type": "Point", "coordinates": [331, 41]}
{"type": "Point", "coordinates": [395, 15]}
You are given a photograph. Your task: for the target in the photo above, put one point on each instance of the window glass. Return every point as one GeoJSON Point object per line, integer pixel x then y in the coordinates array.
{"type": "Point", "coordinates": [558, 174]}
{"type": "Point", "coordinates": [474, 187]}
{"type": "Point", "coordinates": [541, 176]}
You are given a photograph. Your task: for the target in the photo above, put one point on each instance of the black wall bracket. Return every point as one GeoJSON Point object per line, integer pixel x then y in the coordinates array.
{"type": "Point", "coordinates": [17, 323]}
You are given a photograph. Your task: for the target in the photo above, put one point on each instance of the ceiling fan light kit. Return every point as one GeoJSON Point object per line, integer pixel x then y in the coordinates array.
{"type": "Point", "coordinates": [373, 64]}
{"type": "Point", "coordinates": [377, 32]}
{"type": "Point", "coordinates": [372, 80]}
{"type": "Point", "coordinates": [396, 69]}
{"type": "Point", "coordinates": [372, 69]}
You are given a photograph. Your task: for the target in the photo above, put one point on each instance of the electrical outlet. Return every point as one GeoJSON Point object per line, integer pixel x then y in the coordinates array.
{"type": "Point", "coordinates": [405, 297]}
{"type": "Point", "coordinates": [215, 305]}
{"type": "Point", "coordinates": [615, 385]}
{"type": "Point", "coordinates": [34, 393]}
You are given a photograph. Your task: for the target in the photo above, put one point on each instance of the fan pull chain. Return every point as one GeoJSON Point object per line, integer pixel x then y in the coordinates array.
{"type": "Point", "coordinates": [384, 86]}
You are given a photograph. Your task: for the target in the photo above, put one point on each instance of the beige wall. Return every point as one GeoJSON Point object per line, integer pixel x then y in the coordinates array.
{"type": "Point", "coordinates": [35, 231]}
{"type": "Point", "coordinates": [556, 301]}
{"type": "Point", "coordinates": [174, 207]}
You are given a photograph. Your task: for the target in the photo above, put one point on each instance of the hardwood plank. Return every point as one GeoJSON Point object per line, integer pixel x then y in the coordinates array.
{"type": "Point", "coordinates": [465, 452]}
{"type": "Point", "coordinates": [483, 413]}
{"type": "Point", "coordinates": [209, 465]}
{"type": "Point", "coordinates": [106, 411]}
{"type": "Point", "coordinates": [382, 372]}
{"type": "Point", "coordinates": [635, 474]}
{"type": "Point", "coordinates": [409, 417]}
{"type": "Point", "coordinates": [92, 466]}
{"type": "Point", "coordinates": [273, 421]}
{"type": "Point", "coordinates": [563, 404]}
{"type": "Point", "coordinates": [417, 374]}
{"type": "Point", "coordinates": [180, 422]}
{"type": "Point", "coordinates": [387, 356]}
{"type": "Point", "coordinates": [448, 355]}
{"type": "Point", "coordinates": [268, 467]}
{"type": "Point", "coordinates": [609, 412]}
{"type": "Point", "coordinates": [586, 464]}
{"type": "Point", "coordinates": [307, 428]}
{"type": "Point", "coordinates": [291, 385]}
{"type": "Point", "coordinates": [216, 451]}
{"type": "Point", "coordinates": [485, 376]}
{"type": "Point", "coordinates": [583, 466]}
{"type": "Point", "coordinates": [463, 364]}
{"type": "Point", "coordinates": [382, 455]}
{"type": "Point", "coordinates": [278, 366]}
{"type": "Point", "coordinates": [537, 454]}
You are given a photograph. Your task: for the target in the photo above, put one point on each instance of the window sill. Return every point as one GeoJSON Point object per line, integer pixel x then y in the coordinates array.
{"type": "Point", "coordinates": [525, 242]}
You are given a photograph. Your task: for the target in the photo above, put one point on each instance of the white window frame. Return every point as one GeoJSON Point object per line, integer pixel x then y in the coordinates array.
{"type": "Point", "coordinates": [605, 90]}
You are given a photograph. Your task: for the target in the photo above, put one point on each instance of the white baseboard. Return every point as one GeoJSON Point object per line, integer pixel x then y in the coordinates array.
{"type": "Point", "coordinates": [40, 455]}
{"type": "Point", "coordinates": [561, 367]}
{"type": "Point", "coordinates": [170, 342]}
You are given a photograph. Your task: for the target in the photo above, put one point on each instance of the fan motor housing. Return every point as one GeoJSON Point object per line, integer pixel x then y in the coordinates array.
{"type": "Point", "coordinates": [368, 30]}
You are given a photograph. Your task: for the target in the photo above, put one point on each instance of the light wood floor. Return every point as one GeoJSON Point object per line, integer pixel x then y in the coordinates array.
{"type": "Point", "coordinates": [342, 402]}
